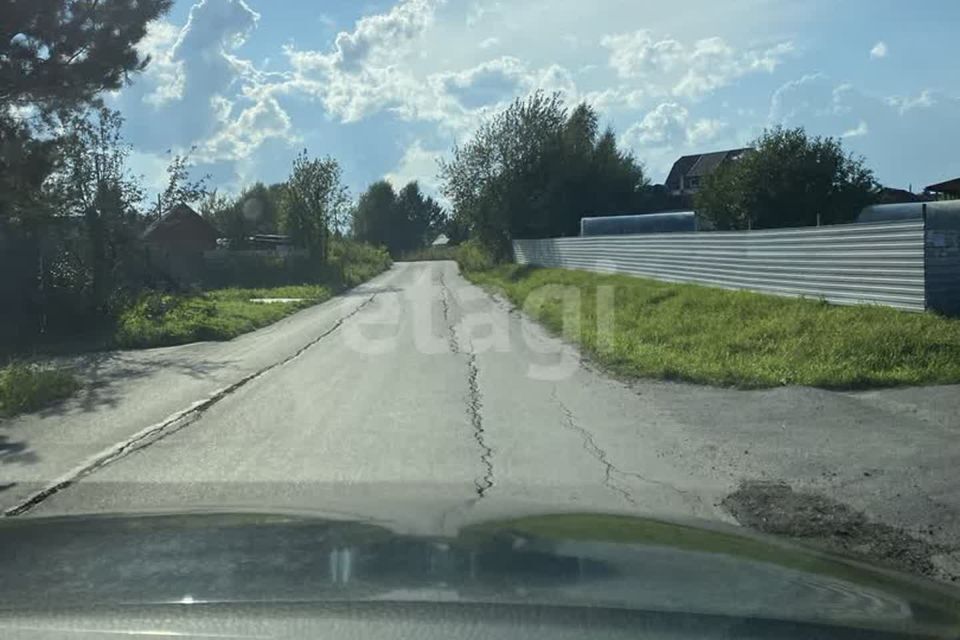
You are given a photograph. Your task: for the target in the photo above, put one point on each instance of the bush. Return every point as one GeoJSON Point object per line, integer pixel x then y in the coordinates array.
{"type": "Point", "coordinates": [159, 319]}
{"type": "Point", "coordinates": [26, 387]}
{"type": "Point", "coordinates": [357, 262]}
{"type": "Point", "coordinates": [473, 256]}
{"type": "Point", "coordinates": [163, 319]}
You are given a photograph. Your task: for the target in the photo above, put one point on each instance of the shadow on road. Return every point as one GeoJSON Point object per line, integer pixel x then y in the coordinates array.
{"type": "Point", "coordinates": [15, 452]}
{"type": "Point", "coordinates": [104, 376]}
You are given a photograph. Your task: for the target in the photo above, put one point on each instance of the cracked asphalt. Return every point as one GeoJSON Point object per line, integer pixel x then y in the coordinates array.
{"type": "Point", "coordinates": [421, 400]}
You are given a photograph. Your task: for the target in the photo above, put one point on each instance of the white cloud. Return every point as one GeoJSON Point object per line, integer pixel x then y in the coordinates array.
{"type": "Point", "coordinates": [488, 43]}
{"type": "Point", "coordinates": [899, 135]}
{"type": "Point", "coordinates": [706, 130]}
{"type": "Point", "coordinates": [418, 164]}
{"type": "Point", "coordinates": [364, 72]}
{"type": "Point", "coordinates": [663, 126]}
{"type": "Point", "coordinates": [669, 126]}
{"type": "Point", "coordinates": [241, 136]}
{"type": "Point", "coordinates": [860, 130]}
{"type": "Point", "coordinates": [879, 50]}
{"type": "Point", "coordinates": [667, 67]}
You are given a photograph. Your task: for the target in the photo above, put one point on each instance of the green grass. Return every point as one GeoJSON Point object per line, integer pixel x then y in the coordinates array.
{"type": "Point", "coordinates": [736, 338]}
{"type": "Point", "coordinates": [165, 319]}
{"type": "Point", "coordinates": [162, 319]}
{"type": "Point", "coordinates": [25, 387]}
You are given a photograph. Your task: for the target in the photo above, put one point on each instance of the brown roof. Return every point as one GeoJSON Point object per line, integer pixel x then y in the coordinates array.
{"type": "Point", "coordinates": [181, 217]}
{"type": "Point", "coordinates": [701, 164]}
{"type": "Point", "coordinates": [948, 186]}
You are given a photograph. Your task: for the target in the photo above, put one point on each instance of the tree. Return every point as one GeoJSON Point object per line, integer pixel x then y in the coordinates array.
{"type": "Point", "coordinates": [94, 184]}
{"type": "Point", "coordinates": [535, 169]}
{"type": "Point", "coordinates": [254, 211]}
{"type": "Point", "coordinates": [790, 180]}
{"type": "Point", "coordinates": [421, 217]}
{"type": "Point", "coordinates": [375, 216]}
{"type": "Point", "coordinates": [314, 203]}
{"type": "Point", "coordinates": [401, 222]}
{"type": "Point", "coordinates": [180, 188]}
{"type": "Point", "coordinates": [56, 54]}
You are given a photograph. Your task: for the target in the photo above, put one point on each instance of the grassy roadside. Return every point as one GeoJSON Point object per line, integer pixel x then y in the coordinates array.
{"type": "Point", "coordinates": [736, 338]}
{"type": "Point", "coordinates": [25, 387]}
{"type": "Point", "coordinates": [164, 319]}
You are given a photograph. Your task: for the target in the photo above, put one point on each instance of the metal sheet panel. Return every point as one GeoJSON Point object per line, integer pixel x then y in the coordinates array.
{"type": "Point", "coordinates": [879, 263]}
{"type": "Point", "coordinates": [943, 256]}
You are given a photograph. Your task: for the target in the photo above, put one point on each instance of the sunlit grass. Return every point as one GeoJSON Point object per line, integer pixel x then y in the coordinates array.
{"type": "Point", "coordinates": [25, 387]}
{"type": "Point", "coordinates": [736, 338]}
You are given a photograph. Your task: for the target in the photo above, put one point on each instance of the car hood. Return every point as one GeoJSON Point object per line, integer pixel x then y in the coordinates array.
{"type": "Point", "coordinates": [571, 559]}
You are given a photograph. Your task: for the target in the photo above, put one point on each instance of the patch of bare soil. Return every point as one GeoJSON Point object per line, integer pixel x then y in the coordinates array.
{"type": "Point", "coordinates": [775, 508]}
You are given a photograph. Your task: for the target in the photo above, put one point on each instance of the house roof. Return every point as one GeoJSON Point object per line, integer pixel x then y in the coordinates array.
{"type": "Point", "coordinates": [948, 186]}
{"type": "Point", "coordinates": [701, 164]}
{"type": "Point", "coordinates": [175, 216]}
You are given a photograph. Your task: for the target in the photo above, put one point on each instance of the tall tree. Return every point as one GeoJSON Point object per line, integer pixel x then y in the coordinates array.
{"type": "Point", "coordinates": [790, 180]}
{"type": "Point", "coordinates": [535, 169]}
{"type": "Point", "coordinates": [56, 54]}
{"type": "Point", "coordinates": [181, 187]}
{"type": "Point", "coordinates": [401, 222]}
{"type": "Point", "coordinates": [94, 184]}
{"type": "Point", "coordinates": [255, 210]}
{"type": "Point", "coordinates": [314, 203]}
{"type": "Point", "coordinates": [421, 218]}
{"type": "Point", "coordinates": [375, 218]}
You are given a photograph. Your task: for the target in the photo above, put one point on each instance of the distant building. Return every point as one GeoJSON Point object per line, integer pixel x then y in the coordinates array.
{"type": "Point", "coordinates": [948, 190]}
{"type": "Point", "coordinates": [441, 241]}
{"type": "Point", "coordinates": [176, 242]}
{"type": "Point", "coordinates": [182, 230]}
{"type": "Point", "coordinates": [688, 172]}
{"type": "Point", "coordinates": [892, 195]}
{"type": "Point", "coordinates": [272, 242]}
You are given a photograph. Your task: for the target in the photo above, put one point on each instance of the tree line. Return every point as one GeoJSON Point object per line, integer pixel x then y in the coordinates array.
{"type": "Point", "coordinates": [537, 168]}
{"type": "Point", "coordinates": [72, 213]}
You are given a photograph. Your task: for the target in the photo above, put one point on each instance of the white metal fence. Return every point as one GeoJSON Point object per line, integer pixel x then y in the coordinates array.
{"type": "Point", "coordinates": [879, 263]}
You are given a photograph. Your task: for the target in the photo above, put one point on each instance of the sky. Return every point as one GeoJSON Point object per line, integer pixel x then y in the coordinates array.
{"type": "Point", "coordinates": [388, 88]}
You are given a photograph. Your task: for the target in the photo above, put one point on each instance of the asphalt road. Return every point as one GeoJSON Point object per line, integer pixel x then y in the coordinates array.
{"type": "Point", "coordinates": [420, 389]}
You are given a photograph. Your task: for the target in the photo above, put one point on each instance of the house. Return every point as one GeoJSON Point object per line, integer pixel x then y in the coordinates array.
{"type": "Point", "coordinates": [892, 195]}
{"type": "Point", "coordinates": [947, 190]}
{"type": "Point", "coordinates": [688, 172]}
{"type": "Point", "coordinates": [182, 230]}
{"type": "Point", "coordinates": [177, 241]}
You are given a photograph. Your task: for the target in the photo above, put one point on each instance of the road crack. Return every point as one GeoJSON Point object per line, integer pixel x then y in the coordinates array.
{"type": "Point", "coordinates": [474, 399]}
{"type": "Point", "coordinates": [613, 475]}
{"type": "Point", "coordinates": [167, 427]}
{"type": "Point", "coordinates": [590, 446]}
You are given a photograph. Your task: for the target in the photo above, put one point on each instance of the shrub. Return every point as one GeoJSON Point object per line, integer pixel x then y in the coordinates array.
{"type": "Point", "coordinates": [473, 256]}
{"type": "Point", "coordinates": [26, 387]}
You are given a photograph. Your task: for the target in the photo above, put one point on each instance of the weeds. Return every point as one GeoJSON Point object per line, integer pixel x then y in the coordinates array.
{"type": "Point", "coordinates": [738, 338]}
{"type": "Point", "coordinates": [25, 387]}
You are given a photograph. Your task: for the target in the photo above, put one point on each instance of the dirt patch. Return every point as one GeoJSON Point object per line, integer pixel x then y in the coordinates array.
{"type": "Point", "coordinates": [777, 509]}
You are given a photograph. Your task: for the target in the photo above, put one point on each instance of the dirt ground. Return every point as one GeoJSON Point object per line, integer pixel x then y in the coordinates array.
{"type": "Point", "coordinates": [775, 508]}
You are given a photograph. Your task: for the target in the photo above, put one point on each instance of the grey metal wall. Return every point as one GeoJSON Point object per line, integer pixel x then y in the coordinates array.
{"type": "Point", "coordinates": [879, 263]}
{"type": "Point", "coordinates": [943, 256]}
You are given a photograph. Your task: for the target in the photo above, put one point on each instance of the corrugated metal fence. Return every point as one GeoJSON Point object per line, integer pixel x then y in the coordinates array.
{"type": "Point", "coordinates": [879, 263]}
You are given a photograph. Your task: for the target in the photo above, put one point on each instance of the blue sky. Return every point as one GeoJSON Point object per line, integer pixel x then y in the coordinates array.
{"type": "Point", "coordinates": [387, 88]}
